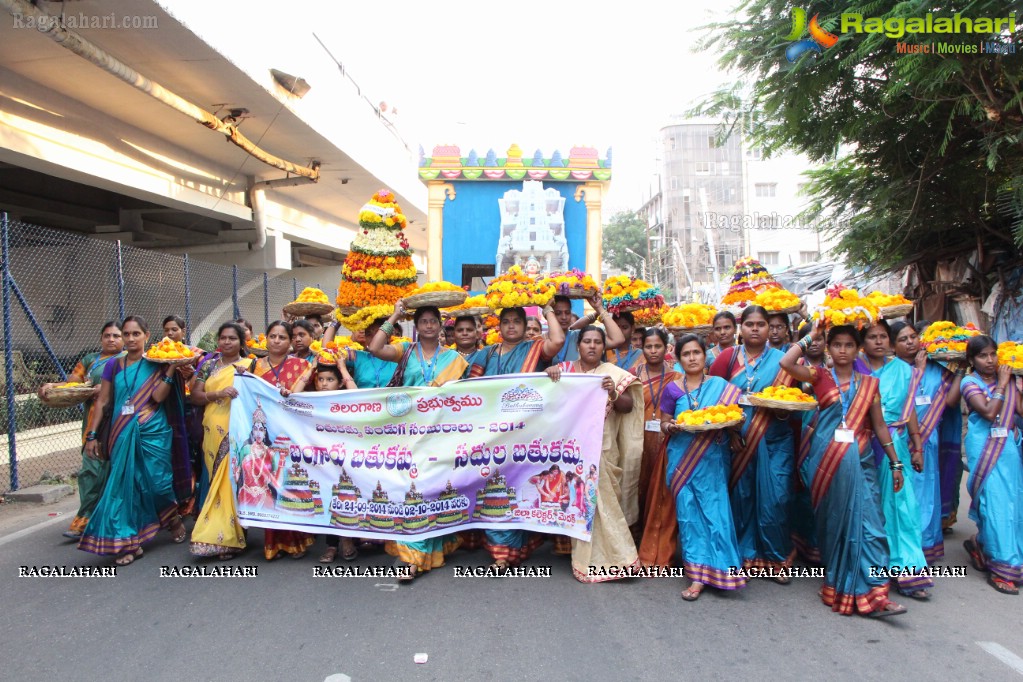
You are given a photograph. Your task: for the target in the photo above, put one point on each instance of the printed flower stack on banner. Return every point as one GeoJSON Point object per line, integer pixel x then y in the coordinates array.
{"type": "Point", "coordinates": [378, 270]}
{"type": "Point", "coordinates": [749, 278]}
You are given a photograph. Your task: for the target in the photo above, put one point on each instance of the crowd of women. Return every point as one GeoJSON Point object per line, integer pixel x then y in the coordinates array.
{"type": "Point", "coordinates": [865, 486]}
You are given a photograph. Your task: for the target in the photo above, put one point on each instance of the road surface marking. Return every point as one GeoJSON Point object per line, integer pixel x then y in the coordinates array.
{"type": "Point", "coordinates": [337, 677]}
{"type": "Point", "coordinates": [387, 587]}
{"type": "Point", "coordinates": [31, 529]}
{"type": "Point", "coordinates": [1004, 655]}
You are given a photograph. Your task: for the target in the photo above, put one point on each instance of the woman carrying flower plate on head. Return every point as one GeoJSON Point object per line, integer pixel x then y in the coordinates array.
{"type": "Point", "coordinates": [898, 384]}
{"type": "Point", "coordinates": [659, 540]}
{"type": "Point", "coordinates": [516, 355]}
{"type": "Point", "coordinates": [763, 467]}
{"type": "Point", "coordinates": [611, 551]}
{"type": "Point", "coordinates": [92, 477]}
{"type": "Point", "coordinates": [697, 475]}
{"type": "Point", "coordinates": [724, 335]}
{"type": "Point", "coordinates": [217, 531]}
{"type": "Point", "coordinates": [839, 470]}
{"type": "Point", "coordinates": [995, 466]}
{"type": "Point", "coordinates": [423, 363]}
{"type": "Point", "coordinates": [138, 498]}
{"type": "Point", "coordinates": [290, 375]}
{"type": "Point", "coordinates": [938, 394]}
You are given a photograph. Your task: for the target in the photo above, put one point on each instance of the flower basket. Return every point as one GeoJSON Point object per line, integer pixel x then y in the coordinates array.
{"type": "Point", "coordinates": [301, 309]}
{"type": "Point", "coordinates": [697, 428]}
{"type": "Point", "coordinates": [438, 299]}
{"type": "Point", "coordinates": [66, 397]}
{"type": "Point", "coordinates": [896, 310]}
{"type": "Point", "coordinates": [698, 329]}
{"type": "Point", "coordinates": [787, 405]}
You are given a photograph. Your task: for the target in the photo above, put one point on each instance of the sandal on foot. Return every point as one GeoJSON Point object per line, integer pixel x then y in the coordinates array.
{"type": "Point", "coordinates": [348, 551]}
{"type": "Point", "coordinates": [298, 556]}
{"type": "Point", "coordinates": [328, 555]}
{"type": "Point", "coordinates": [497, 569]}
{"type": "Point", "coordinates": [692, 593]}
{"type": "Point", "coordinates": [781, 579]}
{"type": "Point", "coordinates": [408, 574]}
{"type": "Point", "coordinates": [1003, 586]}
{"type": "Point", "coordinates": [889, 608]}
{"type": "Point", "coordinates": [126, 558]}
{"type": "Point", "coordinates": [179, 532]}
{"type": "Point", "coordinates": [72, 534]}
{"type": "Point", "coordinates": [915, 594]}
{"type": "Point", "coordinates": [975, 558]}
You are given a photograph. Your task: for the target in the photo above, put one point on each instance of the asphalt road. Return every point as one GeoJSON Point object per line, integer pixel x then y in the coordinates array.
{"type": "Point", "coordinates": [286, 624]}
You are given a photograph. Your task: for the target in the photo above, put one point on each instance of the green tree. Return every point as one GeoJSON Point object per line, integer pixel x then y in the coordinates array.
{"type": "Point", "coordinates": [932, 144]}
{"type": "Point", "coordinates": [623, 232]}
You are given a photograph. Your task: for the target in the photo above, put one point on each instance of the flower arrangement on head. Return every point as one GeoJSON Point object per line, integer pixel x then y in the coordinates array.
{"type": "Point", "coordinates": [515, 289]}
{"type": "Point", "coordinates": [689, 315]}
{"type": "Point", "coordinates": [777, 300]}
{"type": "Point", "coordinates": [1010, 353]}
{"type": "Point", "coordinates": [627, 294]}
{"type": "Point", "coordinates": [257, 342]}
{"type": "Point", "coordinates": [478, 301]}
{"type": "Point", "coordinates": [650, 317]}
{"type": "Point", "coordinates": [947, 338]}
{"type": "Point", "coordinates": [312, 295]}
{"type": "Point", "coordinates": [574, 283]}
{"type": "Point", "coordinates": [845, 306]}
{"type": "Point", "coordinates": [749, 278]}
{"type": "Point", "coordinates": [378, 269]}
{"type": "Point", "coordinates": [169, 350]}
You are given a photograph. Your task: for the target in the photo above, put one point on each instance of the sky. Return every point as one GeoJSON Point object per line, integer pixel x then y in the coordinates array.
{"type": "Point", "coordinates": [545, 75]}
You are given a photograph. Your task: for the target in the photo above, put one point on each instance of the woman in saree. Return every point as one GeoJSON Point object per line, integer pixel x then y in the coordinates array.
{"type": "Point", "coordinates": [423, 363]}
{"type": "Point", "coordinates": [626, 356]}
{"type": "Point", "coordinates": [534, 328]}
{"type": "Point", "coordinates": [659, 540]}
{"type": "Point", "coordinates": [839, 470]}
{"type": "Point", "coordinates": [138, 498]}
{"type": "Point", "coordinates": [898, 384]}
{"type": "Point", "coordinates": [804, 527]}
{"type": "Point", "coordinates": [517, 355]}
{"type": "Point", "coordinates": [289, 375]}
{"type": "Point", "coordinates": [697, 474]}
{"type": "Point", "coordinates": [217, 531]}
{"type": "Point", "coordinates": [92, 476]}
{"type": "Point", "coordinates": [724, 335]}
{"type": "Point", "coordinates": [996, 470]}
{"type": "Point", "coordinates": [611, 552]}
{"type": "Point", "coordinates": [186, 464]}
{"type": "Point", "coordinates": [762, 468]}
{"type": "Point", "coordinates": [938, 394]}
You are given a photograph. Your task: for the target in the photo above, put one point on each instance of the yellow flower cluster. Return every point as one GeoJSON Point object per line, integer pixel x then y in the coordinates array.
{"type": "Point", "coordinates": [479, 301]}
{"type": "Point", "coordinates": [689, 315]}
{"type": "Point", "coordinates": [493, 336]}
{"type": "Point", "coordinates": [571, 279]}
{"type": "Point", "coordinates": [715, 414]}
{"type": "Point", "coordinates": [436, 286]}
{"type": "Point", "coordinates": [884, 300]}
{"type": "Point", "coordinates": [947, 337]}
{"type": "Point", "coordinates": [169, 350]}
{"type": "Point", "coordinates": [623, 285]}
{"type": "Point", "coordinates": [312, 295]}
{"type": "Point", "coordinates": [71, 384]}
{"type": "Point", "coordinates": [846, 308]}
{"type": "Point", "coordinates": [347, 343]}
{"type": "Point", "coordinates": [401, 339]}
{"type": "Point", "coordinates": [378, 274]}
{"type": "Point", "coordinates": [382, 199]}
{"type": "Point", "coordinates": [786, 393]}
{"type": "Point", "coordinates": [776, 299]}
{"type": "Point", "coordinates": [1010, 353]}
{"type": "Point", "coordinates": [515, 290]}
{"type": "Point", "coordinates": [649, 317]}
{"type": "Point", "coordinates": [258, 343]}
{"type": "Point", "coordinates": [365, 316]}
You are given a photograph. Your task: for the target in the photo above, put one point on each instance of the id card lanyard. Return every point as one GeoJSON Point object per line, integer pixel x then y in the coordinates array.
{"type": "Point", "coordinates": [428, 369]}
{"type": "Point", "coordinates": [128, 408]}
{"type": "Point", "coordinates": [845, 434]}
{"type": "Point", "coordinates": [654, 424]}
{"type": "Point", "coordinates": [998, 430]}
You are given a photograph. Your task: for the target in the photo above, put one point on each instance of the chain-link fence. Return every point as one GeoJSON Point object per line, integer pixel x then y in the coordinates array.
{"type": "Point", "coordinates": [59, 288]}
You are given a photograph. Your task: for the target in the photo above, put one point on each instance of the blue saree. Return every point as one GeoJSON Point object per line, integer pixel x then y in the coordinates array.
{"type": "Point", "coordinates": [842, 480]}
{"type": "Point", "coordinates": [995, 482]}
{"type": "Point", "coordinates": [139, 495]}
{"type": "Point", "coordinates": [898, 387]}
{"type": "Point", "coordinates": [762, 473]}
{"type": "Point", "coordinates": [697, 474]}
{"type": "Point", "coordinates": [371, 372]}
{"type": "Point", "coordinates": [930, 397]}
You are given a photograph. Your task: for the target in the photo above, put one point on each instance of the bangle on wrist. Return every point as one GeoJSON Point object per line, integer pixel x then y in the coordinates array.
{"type": "Point", "coordinates": [895, 466]}
{"type": "Point", "coordinates": [885, 445]}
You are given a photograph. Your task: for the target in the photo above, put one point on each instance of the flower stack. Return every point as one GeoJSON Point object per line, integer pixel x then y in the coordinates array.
{"type": "Point", "coordinates": [378, 269]}
{"type": "Point", "coordinates": [474, 305]}
{"type": "Point", "coordinates": [777, 301]}
{"type": "Point", "coordinates": [515, 289]}
{"type": "Point", "coordinates": [650, 317]}
{"type": "Point", "coordinates": [845, 306]}
{"type": "Point", "coordinates": [625, 294]}
{"type": "Point", "coordinates": [946, 340]}
{"type": "Point", "coordinates": [257, 346]}
{"type": "Point", "coordinates": [691, 317]}
{"type": "Point", "coordinates": [891, 305]}
{"type": "Point", "coordinates": [749, 278]}
{"type": "Point", "coordinates": [1010, 353]}
{"type": "Point", "coordinates": [572, 284]}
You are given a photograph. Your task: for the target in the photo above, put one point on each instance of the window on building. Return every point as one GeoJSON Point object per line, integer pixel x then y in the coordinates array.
{"type": "Point", "coordinates": [765, 189]}
{"type": "Point", "coordinates": [673, 182]}
{"type": "Point", "coordinates": [723, 168]}
{"type": "Point", "coordinates": [704, 167]}
{"type": "Point", "coordinates": [469, 272]}
{"type": "Point", "coordinates": [670, 143]}
{"type": "Point", "coordinates": [753, 153]}
{"type": "Point", "coordinates": [712, 142]}
{"type": "Point", "coordinates": [532, 236]}
{"type": "Point", "coordinates": [768, 257]}
{"type": "Point", "coordinates": [808, 257]}
{"type": "Point", "coordinates": [532, 221]}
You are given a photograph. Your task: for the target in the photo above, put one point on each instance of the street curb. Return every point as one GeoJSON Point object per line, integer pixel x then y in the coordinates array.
{"type": "Point", "coordinates": [40, 494]}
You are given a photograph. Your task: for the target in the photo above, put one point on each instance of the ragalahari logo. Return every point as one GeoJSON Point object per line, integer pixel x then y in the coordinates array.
{"type": "Point", "coordinates": [818, 41]}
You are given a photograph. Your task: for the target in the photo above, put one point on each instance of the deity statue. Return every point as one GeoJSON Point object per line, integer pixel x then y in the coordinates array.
{"type": "Point", "coordinates": [532, 229]}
